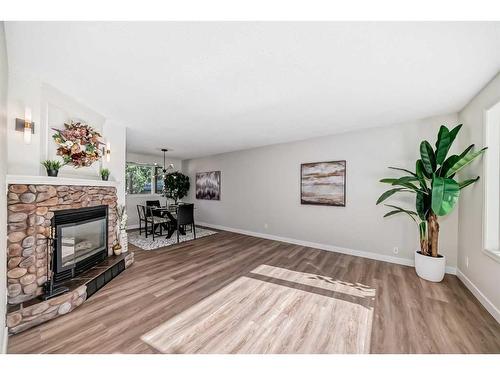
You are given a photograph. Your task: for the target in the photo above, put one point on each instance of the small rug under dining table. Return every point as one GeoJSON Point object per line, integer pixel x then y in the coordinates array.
{"type": "Point", "coordinates": [161, 241]}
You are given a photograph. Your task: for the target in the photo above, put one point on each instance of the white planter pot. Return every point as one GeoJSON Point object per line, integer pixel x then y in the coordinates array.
{"type": "Point", "coordinates": [123, 239]}
{"type": "Point", "coordinates": [430, 268]}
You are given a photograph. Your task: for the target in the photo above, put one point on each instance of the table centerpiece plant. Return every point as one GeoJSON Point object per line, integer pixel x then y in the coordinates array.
{"type": "Point", "coordinates": [176, 185]}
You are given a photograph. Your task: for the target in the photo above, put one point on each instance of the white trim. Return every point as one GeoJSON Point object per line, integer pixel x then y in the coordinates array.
{"type": "Point", "coordinates": [336, 249]}
{"type": "Point", "coordinates": [493, 254]}
{"type": "Point", "coordinates": [44, 180]}
{"type": "Point", "coordinates": [133, 226]}
{"type": "Point", "coordinates": [491, 162]}
{"type": "Point", "coordinates": [5, 338]}
{"type": "Point", "coordinates": [488, 305]}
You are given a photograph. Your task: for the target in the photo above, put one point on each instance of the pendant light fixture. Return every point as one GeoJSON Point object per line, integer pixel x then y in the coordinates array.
{"type": "Point", "coordinates": [170, 166]}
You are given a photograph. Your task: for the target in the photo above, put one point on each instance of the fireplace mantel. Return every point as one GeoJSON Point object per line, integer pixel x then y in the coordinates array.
{"type": "Point", "coordinates": [55, 181]}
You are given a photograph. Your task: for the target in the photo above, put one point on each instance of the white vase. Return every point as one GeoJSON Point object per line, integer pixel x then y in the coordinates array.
{"type": "Point", "coordinates": [123, 238]}
{"type": "Point", "coordinates": [430, 268]}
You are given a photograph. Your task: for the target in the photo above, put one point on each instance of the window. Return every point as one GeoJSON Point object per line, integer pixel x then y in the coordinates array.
{"type": "Point", "coordinates": [143, 179]}
{"type": "Point", "coordinates": [158, 180]}
{"type": "Point", "coordinates": [491, 227]}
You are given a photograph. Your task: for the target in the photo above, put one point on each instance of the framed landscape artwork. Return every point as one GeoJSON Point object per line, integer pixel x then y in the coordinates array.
{"type": "Point", "coordinates": [323, 183]}
{"type": "Point", "coordinates": [208, 185]}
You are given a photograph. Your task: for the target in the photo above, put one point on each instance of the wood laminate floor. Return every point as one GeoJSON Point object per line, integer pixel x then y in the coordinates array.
{"type": "Point", "coordinates": [230, 293]}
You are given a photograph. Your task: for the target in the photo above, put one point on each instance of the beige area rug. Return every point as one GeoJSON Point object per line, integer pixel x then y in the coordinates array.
{"type": "Point", "coordinates": [144, 243]}
{"type": "Point", "coordinates": [273, 310]}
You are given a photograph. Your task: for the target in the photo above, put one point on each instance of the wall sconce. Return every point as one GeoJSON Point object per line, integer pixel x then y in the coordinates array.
{"type": "Point", "coordinates": [108, 151]}
{"type": "Point", "coordinates": [26, 126]}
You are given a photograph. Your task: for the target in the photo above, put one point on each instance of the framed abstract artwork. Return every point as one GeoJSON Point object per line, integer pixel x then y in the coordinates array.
{"type": "Point", "coordinates": [323, 183]}
{"type": "Point", "coordinates": [208, 185]}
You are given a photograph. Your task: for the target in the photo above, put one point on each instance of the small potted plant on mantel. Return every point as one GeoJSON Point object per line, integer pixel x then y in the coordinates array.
{"type": "Point", "coordinates": [52, 167]}
{"type": "Point", "coordinates": [105, 174]}
{"type": "Point", "coordinates": [436, 194]}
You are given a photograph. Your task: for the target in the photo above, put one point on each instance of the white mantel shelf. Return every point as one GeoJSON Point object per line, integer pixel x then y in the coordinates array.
{"type": "Point", "coordinates": [45, 180]}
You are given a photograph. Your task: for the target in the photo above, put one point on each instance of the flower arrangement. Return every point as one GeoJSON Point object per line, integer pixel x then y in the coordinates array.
{"type": "Point", "coordinates": [121, 212]}
{"type": "Point", "coordinates": [78, 144]}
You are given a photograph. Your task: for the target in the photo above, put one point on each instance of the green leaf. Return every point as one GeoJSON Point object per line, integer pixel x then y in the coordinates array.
{"type": "Point", "coordinates": [401, 179]}
{"type": "Point", "coordinates": [387, 194]}
{"type": "Point", "coordinates": [467, 182]}
{"type": "Point", "coordinates": [398, 210]}
{"type": "Point", "coordinates": [421, 175]}
{"type": "Point", "coordinates": [466, 151]}
{"type": "Point", "coordinates": [403, 170]}
{"type": "Point", "coordinates": [407, 183]}
{"type": "Point", "coordinates": [388, 180]}
{"type": "Point", "coordinates": [448, 163]}
{"type": "Point", "coordinates": [422, 230]}
{"type": "Point", "coordinates": [465, 160]}
{"type": "Point", "coordinates": [401, 209]}
{"type": "Point", "coordinates": [390, 213]}
{"type": "Point", "coordinates": [444, 142]}
{"type": "Point", "coordinates": [428, 157]}
{"type": "Point", "coordinates": [445, 193]}
{"type": "Point", "coordinates": [422, 204]}
{"type": "Point", "coordinates": [451, 161]}
{"type": "Point", "coordinates": [419, 169]}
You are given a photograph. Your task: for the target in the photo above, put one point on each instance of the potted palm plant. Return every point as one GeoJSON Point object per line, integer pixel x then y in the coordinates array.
{"type": "Point", "coordinates": [436, 193]}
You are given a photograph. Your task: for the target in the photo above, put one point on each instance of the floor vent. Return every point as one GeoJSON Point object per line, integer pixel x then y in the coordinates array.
{"type": "Point", "coordinates": [98, 282]}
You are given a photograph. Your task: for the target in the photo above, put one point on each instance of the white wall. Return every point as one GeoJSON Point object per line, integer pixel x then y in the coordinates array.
{"type": "Point", "coordinates": [56, 109]}
{"type": "Point", "coordinates": [3, 196]}
{"type": "Point", "coordinates": [50, 109]}
{"type": "Point", "coordinates": [482, 274]}
{"type": "Point", "coordinates": [116, 135]}
{"type": "Point", "coordinates": [23, 91]}
{"type": "Point", "coordinates": [262, 186]}
{"type": "Point", "coordinates": [134, 199]}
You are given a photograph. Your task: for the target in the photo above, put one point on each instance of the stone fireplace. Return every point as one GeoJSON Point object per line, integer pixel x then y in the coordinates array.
{"type": "Point", "coordinates": [81, 216]}
{"type": "Point", "coordinates": [31, 208]}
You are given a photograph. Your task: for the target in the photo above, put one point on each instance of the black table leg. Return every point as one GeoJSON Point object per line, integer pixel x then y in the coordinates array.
{"type": "Point", "coordinates": [171, 230]}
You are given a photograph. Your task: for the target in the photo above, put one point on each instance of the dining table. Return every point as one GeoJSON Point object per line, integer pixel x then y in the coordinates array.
{"type": "Point", "coordinates": [171, 213]}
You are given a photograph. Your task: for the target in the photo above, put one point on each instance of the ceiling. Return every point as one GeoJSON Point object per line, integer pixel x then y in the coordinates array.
{"type": "Point", "coordinates": [202, 88]}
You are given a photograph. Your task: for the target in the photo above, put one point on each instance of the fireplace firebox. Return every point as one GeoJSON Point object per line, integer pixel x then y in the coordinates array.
{"type": "Point", "coordinates": [81, 240]}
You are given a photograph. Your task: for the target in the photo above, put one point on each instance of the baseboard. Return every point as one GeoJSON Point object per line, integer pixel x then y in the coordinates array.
{"type": "Point", "coordinates": [336, 249]}
{"type": "Point", "coordinates": [488, 305]}
{"type": "Point", "coordinates": [5, 338]}
{"type": "Point", "coordinates": [133, 226]}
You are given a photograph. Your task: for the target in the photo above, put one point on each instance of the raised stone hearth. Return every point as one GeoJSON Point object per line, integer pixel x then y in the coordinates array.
{"type": "Point", "coordinates": [37, 311]}
{"type": "Point", "coordinates": [30, 210]}
{"type": "Point", "coordinates": [31, 316]}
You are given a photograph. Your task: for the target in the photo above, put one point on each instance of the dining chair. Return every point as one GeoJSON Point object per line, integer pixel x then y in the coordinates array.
{"type": "Point", "coordinates": [155, 203]}
{"type": "Point", "coordinates": [156, 221]}
{"type": "Point", "coordinates": [141, 212]}
{"type": "Point", "coordinates": [185, 216]}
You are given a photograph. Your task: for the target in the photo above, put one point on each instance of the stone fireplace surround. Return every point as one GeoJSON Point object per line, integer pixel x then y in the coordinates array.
{"type": "Point", "coordinates": [31, 202]}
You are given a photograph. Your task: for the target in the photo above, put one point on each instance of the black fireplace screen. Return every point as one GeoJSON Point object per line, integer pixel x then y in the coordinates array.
{"type": "Point", "coordinates": [81, 240]}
